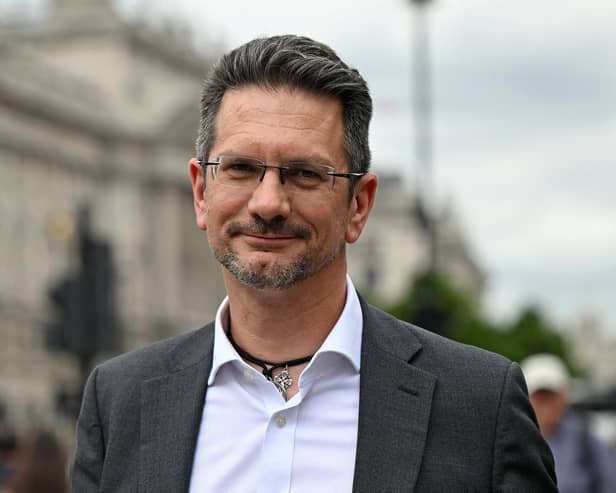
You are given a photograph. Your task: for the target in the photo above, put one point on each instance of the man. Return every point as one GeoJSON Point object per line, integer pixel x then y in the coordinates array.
{"type": "Point", "coordinates": [583, 463]}
{"type": "Point", "coordinates": [299, 385]}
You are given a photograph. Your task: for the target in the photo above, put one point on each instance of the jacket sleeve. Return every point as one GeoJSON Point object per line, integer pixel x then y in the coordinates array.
{"type": "Point", "coordinates": [90, 446]}
{"type": "Point", "coordinates": [522, 458]}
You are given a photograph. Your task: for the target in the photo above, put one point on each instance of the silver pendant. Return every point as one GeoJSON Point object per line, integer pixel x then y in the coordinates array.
{"type": "Point", "coordinates": [283, 381]}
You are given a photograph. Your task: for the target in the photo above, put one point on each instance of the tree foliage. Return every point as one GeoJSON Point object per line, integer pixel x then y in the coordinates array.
{"type": "Point", "coordinates": [433, 303]}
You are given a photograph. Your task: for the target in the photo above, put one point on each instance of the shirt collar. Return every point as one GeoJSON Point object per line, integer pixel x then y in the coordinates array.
{"type": "Point", "coordinates": [343, 339]}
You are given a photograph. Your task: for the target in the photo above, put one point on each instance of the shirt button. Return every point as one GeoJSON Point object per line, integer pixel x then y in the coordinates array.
{"type": "Point", "coordinates": [280, 421]}
{"type": "Point", "coordinates": [249, 374]}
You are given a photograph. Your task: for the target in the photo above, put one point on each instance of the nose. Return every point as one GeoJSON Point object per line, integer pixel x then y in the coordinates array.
{"type": "Point", "coordinates": [269, 199]}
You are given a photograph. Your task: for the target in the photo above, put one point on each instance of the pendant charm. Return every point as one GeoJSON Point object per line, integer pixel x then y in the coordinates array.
{"type": "Point", "coordinates": [283, 381]}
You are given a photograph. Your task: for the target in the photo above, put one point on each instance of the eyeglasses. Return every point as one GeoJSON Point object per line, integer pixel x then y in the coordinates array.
{"type": "Point", "coordinates": [247, 172]}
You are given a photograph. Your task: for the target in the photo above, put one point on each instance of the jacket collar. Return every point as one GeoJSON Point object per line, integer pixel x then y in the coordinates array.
{"type": "Point", "coordinates": [171, 409]}
{"type": "Point", "coordinates": [394, 406]}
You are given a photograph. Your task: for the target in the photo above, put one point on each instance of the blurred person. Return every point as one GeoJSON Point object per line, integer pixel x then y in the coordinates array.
{"type": "Point", "coordinates": [583, 462]}
{"type": "Point", "coordinates": [41, 466]}
{"type": "Point", "coordinates": [298, 384]}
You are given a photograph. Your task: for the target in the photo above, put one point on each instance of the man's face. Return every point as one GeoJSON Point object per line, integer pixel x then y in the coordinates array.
{"type": "Point", "coordinates": [549, 407]}
{"type": "Point", "coordinates": [269, 236]}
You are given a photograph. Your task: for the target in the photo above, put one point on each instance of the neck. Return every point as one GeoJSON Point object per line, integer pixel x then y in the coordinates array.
{"type": "Point", "coordinates": [279, 325]}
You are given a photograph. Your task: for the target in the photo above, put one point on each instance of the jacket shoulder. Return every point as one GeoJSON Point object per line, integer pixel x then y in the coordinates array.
{"type": "Point", "coordinates": [160, 357]}
{"type": "Point", "coordinates": [432, 352]}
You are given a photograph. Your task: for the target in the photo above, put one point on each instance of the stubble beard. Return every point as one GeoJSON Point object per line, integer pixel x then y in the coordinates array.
{"type": "Point", "coordinates": [278, 276]}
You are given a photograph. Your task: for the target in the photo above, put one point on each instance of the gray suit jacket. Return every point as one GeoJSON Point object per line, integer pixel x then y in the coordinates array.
{"type": "Point", "coordinates": [435, 416]}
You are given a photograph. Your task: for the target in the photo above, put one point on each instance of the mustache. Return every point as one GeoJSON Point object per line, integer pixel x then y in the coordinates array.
{"type": "Point", "coordinates": [277, 226]}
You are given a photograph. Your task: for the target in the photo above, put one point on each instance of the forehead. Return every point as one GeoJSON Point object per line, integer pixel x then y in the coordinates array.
{"type": "Point", "coordinates": [278, 121]}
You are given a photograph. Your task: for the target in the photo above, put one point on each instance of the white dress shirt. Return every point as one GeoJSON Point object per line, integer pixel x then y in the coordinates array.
{"type": "Point", "coordinates": [251, 440]}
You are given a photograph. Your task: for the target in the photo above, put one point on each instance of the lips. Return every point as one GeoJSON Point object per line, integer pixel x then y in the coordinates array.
{"type": "Point", "coordinates": [269, 237]}
{"type": "Point", "coordinates": [260, 241]}
{"type": "Point", "coordinates": [274, 230]}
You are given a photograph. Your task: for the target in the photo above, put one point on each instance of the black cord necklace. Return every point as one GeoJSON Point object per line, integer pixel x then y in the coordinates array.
{"type": "Point", "coordinates": [283, 380]}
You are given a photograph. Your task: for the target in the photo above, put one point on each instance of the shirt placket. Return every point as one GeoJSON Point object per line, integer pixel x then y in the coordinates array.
{"type": "Point", "coordinates": [278, 451]}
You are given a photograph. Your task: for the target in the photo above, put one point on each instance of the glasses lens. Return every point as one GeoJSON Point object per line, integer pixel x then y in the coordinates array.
{"type": "Point", "coordinates": [238, 171]}
{"type": "Point", "coordinates": [307, 176]}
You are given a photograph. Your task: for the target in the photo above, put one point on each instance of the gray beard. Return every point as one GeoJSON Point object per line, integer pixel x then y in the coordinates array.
{"type": "Point", "coordinates": [277, 277]}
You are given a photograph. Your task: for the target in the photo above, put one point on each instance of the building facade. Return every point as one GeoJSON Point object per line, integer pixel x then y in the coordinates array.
{"type": "Point", "coordinates": [403, 239]}
{"type": "Point", "coordinates": [96, 112]}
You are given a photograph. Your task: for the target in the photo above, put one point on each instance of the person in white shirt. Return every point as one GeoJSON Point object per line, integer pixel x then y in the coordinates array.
{"type": "Point", "coordinates": [298, 384]}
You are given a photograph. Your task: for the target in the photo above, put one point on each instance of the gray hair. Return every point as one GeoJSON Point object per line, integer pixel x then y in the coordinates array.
{"type": "Point", "coordinates": [296, 62]}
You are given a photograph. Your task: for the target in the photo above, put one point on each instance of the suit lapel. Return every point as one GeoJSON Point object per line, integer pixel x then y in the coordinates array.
{"type": "Point", "coordinates": [394, 407]}
{"type": "Point", "coordinates": [171, 409]}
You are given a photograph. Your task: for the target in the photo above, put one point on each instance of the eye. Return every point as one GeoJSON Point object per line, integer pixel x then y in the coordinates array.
{"type": "Point", "coordinates": [305, 173]}
{"type": "Point", "coordinates": [242, 167]}
{"type": "Point", "coordinates": [238, 167]}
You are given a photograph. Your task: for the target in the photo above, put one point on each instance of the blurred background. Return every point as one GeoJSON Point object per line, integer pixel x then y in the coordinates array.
{"type": "Point", "coordinates": [493, 138]}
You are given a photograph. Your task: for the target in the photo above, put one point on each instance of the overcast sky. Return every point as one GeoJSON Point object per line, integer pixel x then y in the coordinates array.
{"type": "Point", "coordinates": [525, 124]}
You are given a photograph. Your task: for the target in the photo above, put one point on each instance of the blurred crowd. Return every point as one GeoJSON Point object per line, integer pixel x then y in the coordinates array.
{"type": "Point", "coordinates": [34, 464]}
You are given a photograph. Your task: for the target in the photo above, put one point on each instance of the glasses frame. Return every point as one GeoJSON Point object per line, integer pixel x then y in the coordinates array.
{"type": "Point", "coordinates": [281, 169]}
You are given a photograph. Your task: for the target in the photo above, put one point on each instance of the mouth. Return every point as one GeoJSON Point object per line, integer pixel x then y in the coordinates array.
{"type": "Point", "coordinates": [270, 237]}
{"type": "Point", "coordinates": [269, 232]}
{"type": "Point", "coordinates": [267, 241]}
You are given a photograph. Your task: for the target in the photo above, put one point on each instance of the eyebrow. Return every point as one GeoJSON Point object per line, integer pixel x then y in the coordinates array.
{"type": "Point", "coordinates": [310, 158]}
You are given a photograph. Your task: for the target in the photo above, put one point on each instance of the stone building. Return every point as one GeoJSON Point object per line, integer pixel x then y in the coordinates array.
{"type": "Point", "coordinates": [98, 111]}
{"type": "Point", "coordinates": [101, 112]}
{"type": "Point", "coordinates": [397, 245]}
{"type": "Point", "coordinates": [593, 348]}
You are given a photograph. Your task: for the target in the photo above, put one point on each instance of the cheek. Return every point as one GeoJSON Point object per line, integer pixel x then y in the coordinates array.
{"type": "Point", "coordinates": [222, 206]}
{"type": "Point", "coordinates": [332, 224]}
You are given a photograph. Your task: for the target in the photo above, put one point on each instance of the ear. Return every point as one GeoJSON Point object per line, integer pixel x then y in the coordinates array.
{"type": "Point", "coordinates": [361, 205]}
{"type": "Point", "coordinates": [198, 188]}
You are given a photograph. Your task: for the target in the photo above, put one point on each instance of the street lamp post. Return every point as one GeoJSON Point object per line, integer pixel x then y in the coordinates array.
{"type": "Point", "coordinates": [421, 100]}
